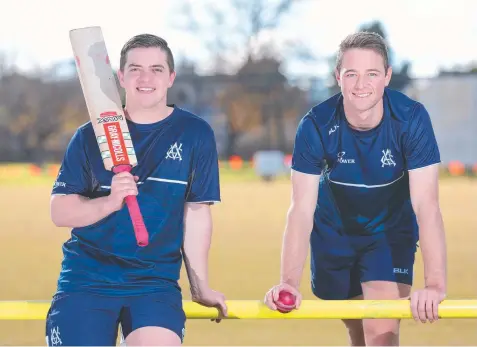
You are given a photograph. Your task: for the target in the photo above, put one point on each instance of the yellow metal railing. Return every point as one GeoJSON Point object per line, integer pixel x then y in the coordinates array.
{"type": "Point", "coordinates": [254, 309]}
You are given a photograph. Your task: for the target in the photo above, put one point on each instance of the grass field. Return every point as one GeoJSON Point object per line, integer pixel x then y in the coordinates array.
{"type": "Point", "coordinates": [244, 263]}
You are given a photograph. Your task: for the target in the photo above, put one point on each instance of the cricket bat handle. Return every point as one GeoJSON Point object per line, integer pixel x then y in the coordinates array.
{"type": "Point", "coordinates": [142, 236]}
{"type": "Point", "coordinates": [140, 230]}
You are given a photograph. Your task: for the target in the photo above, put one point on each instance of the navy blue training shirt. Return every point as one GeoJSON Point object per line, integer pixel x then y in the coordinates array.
{"type": "Point", "coordinates": [364, 187]}
{"type": "Point", "coordinates": [177, 163]}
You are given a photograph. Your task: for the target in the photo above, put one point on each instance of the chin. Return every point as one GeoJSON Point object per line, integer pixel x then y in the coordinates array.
{"type": "Point", "coordinates": [149, 101]}
{"type": "Point", "coordinates": [362, 107]}
{"type": "Point", "coordinates": [363, 104]}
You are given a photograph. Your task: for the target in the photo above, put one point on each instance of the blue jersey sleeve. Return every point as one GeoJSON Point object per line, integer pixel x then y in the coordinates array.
{"type": "Point", "coordinates": [420, 146]}
{"type": "Point", "coordinates": [308, 152]}
{"type": "Point", "coordinates": [73, 176]}
{"type": "Point", "coordinates": [205, 183]}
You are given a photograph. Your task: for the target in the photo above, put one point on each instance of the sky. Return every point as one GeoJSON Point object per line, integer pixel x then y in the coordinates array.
{"type": "Point", "coordinates": [429, 33]}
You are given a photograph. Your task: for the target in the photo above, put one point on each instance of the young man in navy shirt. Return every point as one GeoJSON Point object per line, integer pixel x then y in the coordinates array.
{"type": "Point", "coordinates": [106, 280]}
{"type": "Point", "coordinates": [365, 190]}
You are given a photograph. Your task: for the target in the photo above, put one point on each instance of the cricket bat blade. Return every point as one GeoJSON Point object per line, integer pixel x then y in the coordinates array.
{"type": "Point", "coordinates": [106, 112]}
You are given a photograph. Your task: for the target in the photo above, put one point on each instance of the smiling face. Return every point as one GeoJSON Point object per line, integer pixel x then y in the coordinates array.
{"type": "Point", "coordinates": [363, 72]}
{"type": "Point", "coordinates": [146, 71]}
{"type": "Point", "coordinates": [146, 77]}
{"type": "Point", "coordinates": [362, 78]}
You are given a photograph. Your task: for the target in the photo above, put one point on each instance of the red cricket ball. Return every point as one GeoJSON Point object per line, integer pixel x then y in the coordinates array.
{"type": "Point", "coordinates": [286, 302]}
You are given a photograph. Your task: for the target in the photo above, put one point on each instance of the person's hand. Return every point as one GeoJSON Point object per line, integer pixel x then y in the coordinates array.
{"type": "Point", "coordinates": [122, 185]}
{"type": "Point", "coordinates": [425, 303]}
{"type": "Point", "coordinates": [212, 298]}
{"type": "Point", "coordinates": [272, 295]}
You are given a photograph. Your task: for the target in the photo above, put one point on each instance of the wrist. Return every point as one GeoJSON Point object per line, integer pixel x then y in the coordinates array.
{"type": "Point", "coordinates": [198, 291]}
{"type": "Point", "coordinates": [439, 287]}
{"type": "Point", "coordinates": [108, 206]}
{"type": "Point", "coordinates": [290, 282]}
{"type": "Point", "coordinates": [437, 284]}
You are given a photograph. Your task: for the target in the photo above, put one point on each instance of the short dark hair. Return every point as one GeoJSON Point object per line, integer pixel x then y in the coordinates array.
{"type": "Point", "coordinates": [146, 41]}
{"type": "Point", "coordinates": [364, 40]}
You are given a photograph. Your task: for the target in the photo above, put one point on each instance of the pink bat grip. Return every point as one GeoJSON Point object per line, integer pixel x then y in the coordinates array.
{"type": "Point", "coordinates": [142, 236]}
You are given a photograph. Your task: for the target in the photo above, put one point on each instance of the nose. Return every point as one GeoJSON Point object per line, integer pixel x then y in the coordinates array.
{"type": "Point", "coordinates": [145, 76]}
{"type": "Point", "coordinates": [360, 82]}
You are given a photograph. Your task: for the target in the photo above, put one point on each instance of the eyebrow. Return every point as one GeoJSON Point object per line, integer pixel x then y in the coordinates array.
{"type": "Point", "coordinates": [368, 70]}
{"type": "Point", "coordinates": [153, 66]}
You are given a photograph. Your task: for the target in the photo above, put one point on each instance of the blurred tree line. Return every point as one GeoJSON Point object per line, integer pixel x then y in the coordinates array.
{"type": "Point", "coordinates": [258, 104]}
{"type": "Point", "coordinates": [37, 115]}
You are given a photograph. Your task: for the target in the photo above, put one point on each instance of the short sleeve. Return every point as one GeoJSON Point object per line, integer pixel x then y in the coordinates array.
{"type": "Point", "coordinates": [204, 182]}
{"type": "Point", "coordinates": [420, 145]}
{"type": "Point", "coordinates": [308, 152]}
{"type": "Point", "coordinates": [73, 176]}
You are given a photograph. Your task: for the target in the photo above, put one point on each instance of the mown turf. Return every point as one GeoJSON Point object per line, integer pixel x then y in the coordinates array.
{"type": "Point", "coordinates": [244, 263]}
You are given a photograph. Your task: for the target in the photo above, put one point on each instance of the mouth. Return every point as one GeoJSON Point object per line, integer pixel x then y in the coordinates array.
{"type": "Point", "coordinates": [145, 90]}
{"type": "Point", "coordinates": [362, 95]}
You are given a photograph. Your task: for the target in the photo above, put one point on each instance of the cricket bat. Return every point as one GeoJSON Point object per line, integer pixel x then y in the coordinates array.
{"type": "Point", "coordinates": [105, 110]}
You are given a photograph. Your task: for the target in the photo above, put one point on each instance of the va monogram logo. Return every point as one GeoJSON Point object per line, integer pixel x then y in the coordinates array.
{"type": "Point", "coordinates": [55, 338]}
{"type": "Point", "coordinates": [174, 152]}
{"type": "Point", "coordinates": [387, 158]}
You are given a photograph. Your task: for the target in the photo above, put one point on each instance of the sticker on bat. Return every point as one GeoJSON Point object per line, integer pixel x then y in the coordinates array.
{"type": "Point", "coordinates": [116, 143]}
{"type": "Point", "coordinates": [110, 116]}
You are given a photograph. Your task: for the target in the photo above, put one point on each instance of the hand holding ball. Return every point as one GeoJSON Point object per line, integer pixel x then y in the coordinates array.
{"type": "Point", "coordinates": [286, 302]}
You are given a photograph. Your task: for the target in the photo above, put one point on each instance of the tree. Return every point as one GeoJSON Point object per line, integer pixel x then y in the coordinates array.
{"type": "Point", "coordinates": [259, 97]}
{"type": "Point", "coordinates": [239, 38]}
{"type": "Point", "coordinates": [400, 78]}
{"type": "Point", "coordinates": [239, 28]}
{"type": "Point", "coordinates": [36, 114]}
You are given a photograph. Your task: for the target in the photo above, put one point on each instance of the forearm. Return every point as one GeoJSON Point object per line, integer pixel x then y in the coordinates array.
{"type": "Point", "coordinates": [295, 246]}
{"type": "Point", "coordinates": [433, 247]}
{"type": "Point", "coordinates": [76, 211]}
{"type": "Point", "coordinates": [196, 253]}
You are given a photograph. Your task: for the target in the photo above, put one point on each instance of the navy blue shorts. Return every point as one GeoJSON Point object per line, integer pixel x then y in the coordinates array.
{"type": "Point", "coordinates": [83, 319]}
{"type": "Point", "coordinates": [339, 264]}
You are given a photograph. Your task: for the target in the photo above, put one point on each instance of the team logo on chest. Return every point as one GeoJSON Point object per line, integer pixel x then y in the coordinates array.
{"type": "Point", "coordinates": [387, 158]}
{"type": "Point", "coordinates": [333, 129]}
{"type": "Point", "coordinates": [343, 160]}
{"type": "Point", "coordinates": [174, 152]}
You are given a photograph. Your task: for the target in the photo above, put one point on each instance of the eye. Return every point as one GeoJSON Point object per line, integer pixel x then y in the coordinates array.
{"type": "Point", "coordinates": [373, 74]}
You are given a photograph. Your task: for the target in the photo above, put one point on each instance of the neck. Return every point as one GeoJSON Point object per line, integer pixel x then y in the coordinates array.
{"type": "Point", "coordinates": [364, 120]}
{"type": "Point", "coordinates": [142, 115]}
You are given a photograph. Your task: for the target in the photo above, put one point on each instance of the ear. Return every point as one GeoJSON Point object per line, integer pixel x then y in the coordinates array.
{"type": "Point", "coordinates": [172, 78]}
{"type": "Point", "coordinates": [338, 77]}
{"type": "Point", "coordinates": [389, 73]}
{"type": "Point", "coordinates": [120, 77]}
